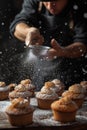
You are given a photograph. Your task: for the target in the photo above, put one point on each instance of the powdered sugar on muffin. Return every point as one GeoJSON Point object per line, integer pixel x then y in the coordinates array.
{"type": "Point", "coordinates": [76, 88]}
{"type": "Point", "coordinates": [72, 95]}
{"type": "Point", "coordinates": [65, 105]}
{"type": "Point", "coordinates": [22, 88]}
{"type": "Point", "coordinates": [19, 112]}
{"type": "Point", "coordinates": [28, 84]}
{"type": "Point", "coordinates": [18, 106]}
{"type": "Point", "coordinates": [15, 94]}
{"type": "Point", "coordinates": [3, 86]}
{"type": "Point", "coordinates": [20, 91]}
{"type": "Point", "coordinates": [46, 94]}
{"type": "Point", "coordinates": [25, 81]}
{"type": "Point", "coordinates": [59, 86]}
{"type": "Point", "coordinates": [4, 91]}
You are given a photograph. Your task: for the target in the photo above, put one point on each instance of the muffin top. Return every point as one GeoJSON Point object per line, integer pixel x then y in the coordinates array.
{"type": "Point", "coordinates": [22, 88]}
{"type": "Point", "coordinates": [64, 105]}
{"type": "Point", "coordinates": [54, 87]}
{"type": "Point", "coordinates": [12, 86]}
{"type": "Point", "coordinates": [49, 84]}
{"type": "Point", "coordinates": [76, 88]}
{"type": "Point", "coordinates": [3, 86]}
{"type": "Point", "coordinates": [46, 93]}
{"type": "Point", "coordinates": [84, 84]}
{"type": "Point", "coordinates": [72, 95]}
{"type": "Point", "coordinates": [25, 81]}
{"type": "Point", "coordinates": [30, 86]}
{"type": "Point", "coordinates": [57, 82]}
{"type": "Point", "coordinates": [16, 94]}
{"type": "Point", "coordinates": [20, 103]}
{"type": "Point", "coordinates": [19, 106]}
{"type": "Point", "coordinates": [28, 83]}
{"type": "Point", "coordinates": [59, 86]}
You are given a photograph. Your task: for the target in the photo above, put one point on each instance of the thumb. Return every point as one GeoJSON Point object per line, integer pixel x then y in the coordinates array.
{"type": "Point", "coordinates": [55, 44]}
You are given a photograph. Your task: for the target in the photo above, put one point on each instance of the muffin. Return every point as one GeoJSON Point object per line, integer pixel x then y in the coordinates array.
{"type": "Point", "coordinates": [76, 93]}
{"type": "Point", "coordinates": [25, 81]}
{"type": "Point", "coordinates": [76, 97]}
{"type": "Point", "coordinates": [20, 91]}
{"type": "Point", "coordinates": [59, 86]}
{"type": "Point", "coordinates": [12, 86]}
{"type": "Point", "coordinates": [4, 91]}
{"type": "Point", "coordinates": [45, 97]}
{"type": "Point", "coordinates": [19, 112]}
{"type": "Point", "coordinates": [84, 85]}
{"type": "Point", "coordinates": [28, 83]}
{"type": "Point", "coordinates": [64, 110]}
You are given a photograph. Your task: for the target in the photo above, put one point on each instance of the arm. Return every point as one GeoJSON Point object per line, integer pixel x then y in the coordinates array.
{"type": "Point", "coordinates": [25, 24]}
{"type": "Point", "coordinates": [25, 19]}
{"type": "Point", "coordinates": [21, 31]}
{"type": "Point", "coordinates": [74, 50]}
{"type": "Point", "coordinates": [27, 34]}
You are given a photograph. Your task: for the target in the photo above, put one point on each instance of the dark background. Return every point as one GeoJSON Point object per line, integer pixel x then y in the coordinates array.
{"type": "Point", "coordinates": [10, 47]}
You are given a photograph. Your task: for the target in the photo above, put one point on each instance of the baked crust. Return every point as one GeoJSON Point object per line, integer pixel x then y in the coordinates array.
{"type": "Point", "coordinates": [76, 88]}
{"type": "Point", "coordinates": [64, 105]}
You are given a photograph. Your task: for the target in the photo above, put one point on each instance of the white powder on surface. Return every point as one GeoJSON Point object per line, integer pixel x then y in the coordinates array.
{"type": "Point", "coordinates": [44, 117]}
{"type": "Point", "coordinates": [3, 105]}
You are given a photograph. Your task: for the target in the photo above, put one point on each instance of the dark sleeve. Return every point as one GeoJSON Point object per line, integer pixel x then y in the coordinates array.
{"type": "Point", "coordinates": [80, 21]}
{"type": "Point", "coordinates": [80, 32]}
{"type": "Point", "coordinates": [28, 14]}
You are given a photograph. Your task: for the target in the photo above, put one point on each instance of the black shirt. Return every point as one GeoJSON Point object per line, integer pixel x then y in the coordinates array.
{"type": "Point", "coordinates": [66, 28]}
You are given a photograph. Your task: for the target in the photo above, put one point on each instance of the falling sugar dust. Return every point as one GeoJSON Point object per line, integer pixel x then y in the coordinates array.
{"type": "Point", "coordinates": [35, 64]}
{"type": "Point", "coordinates": [38, 65]}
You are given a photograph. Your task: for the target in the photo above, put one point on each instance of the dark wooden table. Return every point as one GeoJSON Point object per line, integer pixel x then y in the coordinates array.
{"type": "Point", "coordinates": [44, 119]}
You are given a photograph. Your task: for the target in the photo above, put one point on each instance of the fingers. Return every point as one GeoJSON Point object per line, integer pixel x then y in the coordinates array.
{"type": "Point", "coordinates": [35, 41]}
{"type": "Point", "coordinates": [55, 44]}
{"type": "Point", "coordinates": [34, 38]}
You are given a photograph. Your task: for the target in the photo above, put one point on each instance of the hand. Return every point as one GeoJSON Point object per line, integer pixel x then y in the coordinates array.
{"type": "Point", "coordinates": [34, 37]}
{"type": "Point", "coordinates": [56, 47]}
{"type": "Point", "coordinates": [56, 51]}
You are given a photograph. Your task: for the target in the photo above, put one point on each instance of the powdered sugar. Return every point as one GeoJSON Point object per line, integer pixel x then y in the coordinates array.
{"type": "Point", "coordinates": [44, 117]}
{"type": "Point", "coordinates": [47, 96]}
